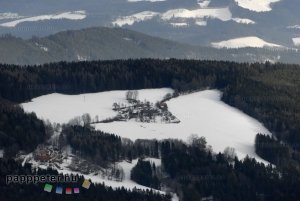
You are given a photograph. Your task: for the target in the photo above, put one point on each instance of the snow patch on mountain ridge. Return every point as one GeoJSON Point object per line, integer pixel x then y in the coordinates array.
{"type": "Point", "coordinates": [256, 5]}
{"type": "Point", "coordinates": [182, 16]}
{"type": "Point", "coordinates": [251, 41]}
{"type": "Point", "coordinates": [71, 15]}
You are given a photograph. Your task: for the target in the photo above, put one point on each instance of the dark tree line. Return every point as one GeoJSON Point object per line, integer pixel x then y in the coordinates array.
{"type": "Point", "coordinates": [19, 131]}
{"type": "Point", "coordinates": [96, 145]}
{"type": "Point", "coordinates": [104, 148]}
{"type": "Point", "coordinates": [276, 152]}
{"type": "Point", "coordinates": [144, 173]}
{"type": "Point", "coordinates": [196, 173]}
{"type": "Point", "coordinates": [23, 83]}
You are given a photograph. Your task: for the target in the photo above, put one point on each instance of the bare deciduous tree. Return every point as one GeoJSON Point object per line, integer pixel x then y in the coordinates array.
{"type": "Point", "coordinates": [197, 141]}
{"type": "Point", "coordinates": [229, 153]}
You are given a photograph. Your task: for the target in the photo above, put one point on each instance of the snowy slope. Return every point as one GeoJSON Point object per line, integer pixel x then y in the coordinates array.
{"type": "Point", "coordinates": [63, 168]}
{"type": "Point", "coordinates": [61, 108]}
{"type": "Point", "coordinates": [127, 183]}
{"type": "Point", "coordinates": [250, 41]}
{"type": "Point", "coordinates": [201, 113]}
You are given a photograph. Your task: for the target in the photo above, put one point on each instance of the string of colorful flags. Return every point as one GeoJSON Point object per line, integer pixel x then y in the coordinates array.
{"type": "Point", "coordinates": [59, 189]}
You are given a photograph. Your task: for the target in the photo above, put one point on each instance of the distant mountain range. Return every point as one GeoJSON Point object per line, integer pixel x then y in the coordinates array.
{"type": "Point", "coordinates": [115, 43]}
{"type": "Point", "coordinates": [218, 23]}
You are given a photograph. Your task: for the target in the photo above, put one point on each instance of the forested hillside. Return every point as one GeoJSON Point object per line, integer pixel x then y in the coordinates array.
{"type": "Point", "coordinates": [102, 43]}
{"type": "Point", "coordinates": [104, 148]}
{"type": "Point", "coordinates": [267, 92]}
{"type": "Point", "coordinates": [23, 83]}
{"type": "Point", "coordinates": [197, 173]}
{"type": "Point", "coordinates": [19, 131]}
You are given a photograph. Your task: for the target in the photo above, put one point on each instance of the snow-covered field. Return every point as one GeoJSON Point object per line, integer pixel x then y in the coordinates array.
{"type": "Point", "coordinates": [61, 108]}
{"type": "Point", "coordinates": [201, 113]}
{"type": "Point", "coordinates": [251, 41]}
{"type": "Point", "coordinates": [72, 15]}
{"type": "Point", "coordinates": [256, 5]}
